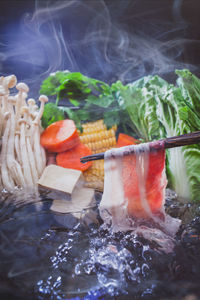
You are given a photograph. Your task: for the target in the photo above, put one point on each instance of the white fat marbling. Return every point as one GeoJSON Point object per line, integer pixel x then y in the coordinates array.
{"type": "Point", "coordinates": [113, 207]}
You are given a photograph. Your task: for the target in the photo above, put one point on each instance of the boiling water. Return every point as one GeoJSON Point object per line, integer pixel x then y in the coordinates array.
{"type": "Point", "coordinates": [46, 255]}
{"type": "Point", "coordinates": [129, 201]}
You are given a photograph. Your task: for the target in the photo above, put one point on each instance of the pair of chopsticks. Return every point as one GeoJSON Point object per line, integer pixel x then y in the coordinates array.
{"type": "Point", "coordinates": [171, 142]}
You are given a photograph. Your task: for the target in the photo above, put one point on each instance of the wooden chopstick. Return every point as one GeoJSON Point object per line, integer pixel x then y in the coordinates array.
{"type": "Point", "coordinates": [171, 142]}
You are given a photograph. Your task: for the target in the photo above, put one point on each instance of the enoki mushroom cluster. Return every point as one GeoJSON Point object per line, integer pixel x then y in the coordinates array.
{"type": "Point", "coordinates": [22, 157]}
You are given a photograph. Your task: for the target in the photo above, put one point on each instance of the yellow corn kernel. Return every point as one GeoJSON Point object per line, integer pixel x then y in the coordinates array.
{"type": "Point", "coordinates": [102, 135]}
{"type": "Point", "coordinates": [99, 139]}
{"type": "Point", "coordinates": [93, 127]}
{"type": "Point", "coordinates": [97, 142]}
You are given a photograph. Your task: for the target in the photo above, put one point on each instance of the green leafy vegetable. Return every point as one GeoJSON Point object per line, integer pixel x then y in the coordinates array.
{"type": "Point", "coordinates": [149, 108]}
{"type": "Point", "coordinates": [158, 110]}
{"type": "Point", "coordinates": [78, 87]}
{"type": "Point", "coordinates": [52, 113]}
{"type": "Point", "coordinates": [85, 99]}
{"type": "Point", "coordinates": [139, 101]}
{"type": "Point", "coordinates": [190, 87]}
{"type": "Point", "coordinates": [50, 84]}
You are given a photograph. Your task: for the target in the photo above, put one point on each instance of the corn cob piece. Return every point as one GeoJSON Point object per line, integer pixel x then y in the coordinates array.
{"type": "Point", "coordinates": [99, 139]}
{"type": "Point", "coordinates": [94, 176]}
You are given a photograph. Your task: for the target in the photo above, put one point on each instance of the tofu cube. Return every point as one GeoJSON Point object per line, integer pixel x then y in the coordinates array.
{"type": "Point", "coordinates": [59, 179]}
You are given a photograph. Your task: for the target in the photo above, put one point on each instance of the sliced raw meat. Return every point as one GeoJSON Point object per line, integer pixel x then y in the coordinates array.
{"type": "Point", "coordinates": [134, 187]}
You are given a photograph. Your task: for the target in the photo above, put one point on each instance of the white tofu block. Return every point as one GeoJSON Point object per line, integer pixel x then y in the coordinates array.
{"type": "Point", "coordinates": [59, 178]}
{"type": "Point", "coordinates": [81, 198]}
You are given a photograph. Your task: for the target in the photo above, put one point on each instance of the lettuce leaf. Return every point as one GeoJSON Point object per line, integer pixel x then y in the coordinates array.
{"type": "Point", "coordinates": [159, 110]}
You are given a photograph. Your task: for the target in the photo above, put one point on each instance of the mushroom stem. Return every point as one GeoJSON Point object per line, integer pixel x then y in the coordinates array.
{"type": "Point", "coordinates": [43, 99]}
{"type": "Point", "coordinates": [17, 148]}
{"type": "Point", "coordinates": [13, 166]}
{"type": "Point", "coordinates": [22, 158]}
{"type": "Point", "coordinates": [24, 154]}
{"type": "Point", "coordinates": [7, 181]}
{"type": "Point", "coordinates": [31, 106]}
{"type": "Point", "coordinates": [34, 172]}
{"type": "Point", "coordinates": [2, 92]}
{"type": "Point", "coordinates": [22, 88]}
{"type": "Point", "coordinates": [39, 151]}
{"type": "Point", "coordinates": [44, 159]}
{"type": "Point", "coordinates": [31, 116]}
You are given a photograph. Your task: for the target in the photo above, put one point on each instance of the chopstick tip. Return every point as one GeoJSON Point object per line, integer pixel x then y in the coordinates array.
{"type": "Point", "coordinates": [92, 157]}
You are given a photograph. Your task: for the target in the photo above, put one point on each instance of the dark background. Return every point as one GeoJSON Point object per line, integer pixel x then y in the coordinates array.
{"type": "Point", "coordinates": [113, 39]}
{"type": "Point", "coordinates": [109, 40]}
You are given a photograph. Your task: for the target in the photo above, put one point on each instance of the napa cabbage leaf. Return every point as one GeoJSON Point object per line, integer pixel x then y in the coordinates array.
{"type": "Point", "coordinates": [159, 110]}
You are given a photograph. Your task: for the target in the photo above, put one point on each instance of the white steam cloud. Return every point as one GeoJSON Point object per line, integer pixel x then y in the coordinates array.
{"type": "Point", "coordinates": [89, 36]}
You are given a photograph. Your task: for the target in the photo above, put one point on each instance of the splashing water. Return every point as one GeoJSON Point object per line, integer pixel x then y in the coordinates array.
{"type": "Point", "coordinates": [134, 192]}
{"type": "Point", "coordinates": [46, 255]}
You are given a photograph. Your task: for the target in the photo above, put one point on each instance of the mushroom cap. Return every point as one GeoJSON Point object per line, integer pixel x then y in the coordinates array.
{"type": "Point", "coordinates": [11, 81]}
{"type": "Point", "coordinates": [43, 98]}
{"type": "Point", "coordinates": [31, 102]}
{"type": "Point", "coordinates": [23, 87]}
{"type": "Point", "coordinates": [24, 110]}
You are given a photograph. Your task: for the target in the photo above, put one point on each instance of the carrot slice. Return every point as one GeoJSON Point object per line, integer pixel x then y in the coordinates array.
{"type": "Point", "coordinates": [126, 140]}
{"type": "Point", "coordinates": [71, 158]}
{"type": "Point", "coordinates": [60, 136]}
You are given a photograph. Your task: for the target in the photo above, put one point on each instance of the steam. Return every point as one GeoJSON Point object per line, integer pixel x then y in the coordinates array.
{"type": "Point", "coordinates": [177, 11]}
{"type": "Point", "coordinates": [91, 37]}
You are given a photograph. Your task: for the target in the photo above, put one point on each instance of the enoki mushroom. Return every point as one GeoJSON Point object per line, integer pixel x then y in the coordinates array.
{"type": "Point", "coordinates": [22, 157]}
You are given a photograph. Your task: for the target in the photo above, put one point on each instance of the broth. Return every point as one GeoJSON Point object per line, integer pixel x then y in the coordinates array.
{"type": "Point", "coordinates": [47, 255]}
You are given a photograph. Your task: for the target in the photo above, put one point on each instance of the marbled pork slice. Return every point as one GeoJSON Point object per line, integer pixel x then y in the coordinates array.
{"type": "Point", "coordinates": [134, 187]}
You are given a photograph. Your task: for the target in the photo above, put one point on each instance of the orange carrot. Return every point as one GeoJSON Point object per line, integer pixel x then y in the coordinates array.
{"type": "Point", "coordinates": [71, 158]}
{"type": "Point", "coordinates": [60, 136]}
{"type": "Point", "coordinates": [126, 140]}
